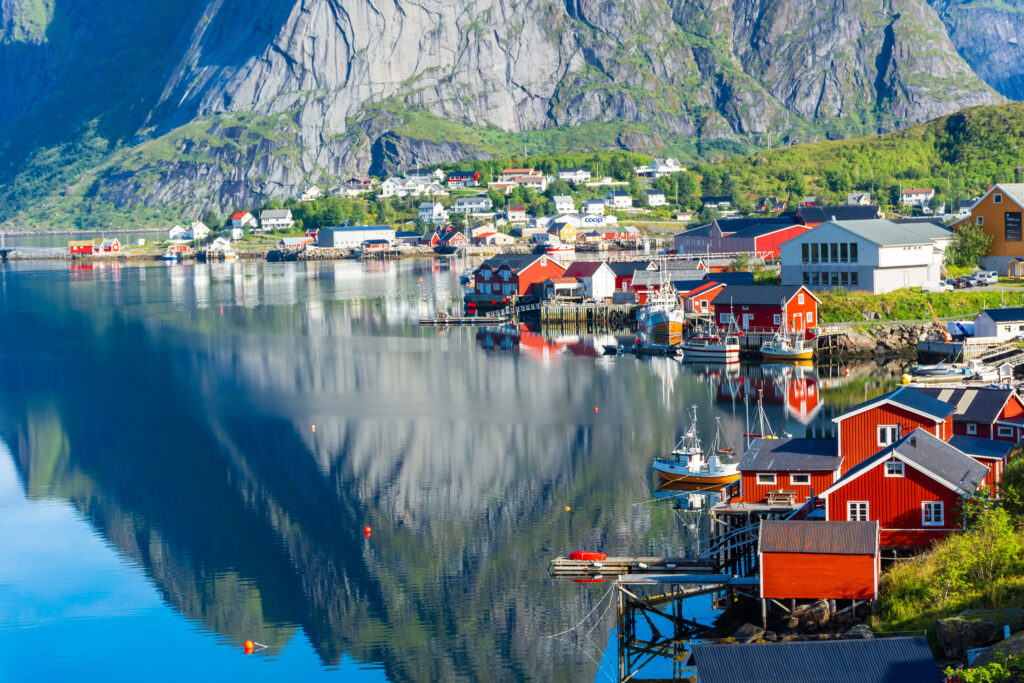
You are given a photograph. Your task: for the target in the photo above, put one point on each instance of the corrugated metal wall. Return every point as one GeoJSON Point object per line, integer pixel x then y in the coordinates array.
{"type": "Point", "coordinates": [816, 577]}
{"type": "Point", "coordinates": [859, 433]}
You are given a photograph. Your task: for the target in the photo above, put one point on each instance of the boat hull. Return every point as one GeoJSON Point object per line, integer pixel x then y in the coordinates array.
{"type": "Point", "coordinates": [790, 356]}
{"type": "Point", "coordinates": [710, 354]}
{"type": "Point", "coordinates": [697, 479]}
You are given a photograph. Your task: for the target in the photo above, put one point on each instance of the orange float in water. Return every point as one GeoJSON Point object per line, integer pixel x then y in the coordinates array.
{"type": "Point", "coordinates": [367, 531]}
{"type": "Point", "coordinates": [250, 647]}
{"type": "Point", "coordinates": [595, 409]}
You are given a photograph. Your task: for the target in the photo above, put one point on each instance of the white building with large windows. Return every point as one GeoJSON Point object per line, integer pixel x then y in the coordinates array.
{"type": "Point", "coordinates": [877, 256]}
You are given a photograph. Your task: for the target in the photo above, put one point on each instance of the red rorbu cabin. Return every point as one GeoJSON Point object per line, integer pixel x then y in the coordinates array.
{"type": "Point", "coordinates": [624, 271]}
{"type": "Point", "coordinates": [814, 560]}
{"type": "Point", "coordinates": [80, 247]}
{"type": "Point", "coordinates": [762, 308]}
{"type": "Point", "coordinates": [515, 274]}
{"type": "Point", "coordinates": [991, 453]}
{"type": "Point", "coordinates": [983, 412]}
{"type": "Point", "coordinates": [699, 300]}
{"type": "Point", "coordinates": [912, 488]}
{"type": "Point", "coordinates": [787, 471]}
{"type": "Point", "coordinates": [871, 426]}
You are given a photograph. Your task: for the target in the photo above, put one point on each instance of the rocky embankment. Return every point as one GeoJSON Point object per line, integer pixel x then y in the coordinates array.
{"type": "Point", "coordinates": [881, 340]}
{"type": "Point", "coordinates": [817, 620]}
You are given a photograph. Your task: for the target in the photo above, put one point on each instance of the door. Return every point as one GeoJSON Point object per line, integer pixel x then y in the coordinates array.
{"type": "Point", "coordinates": [906, 278]}
{"type": "Point", "coordinates": [746, 320]}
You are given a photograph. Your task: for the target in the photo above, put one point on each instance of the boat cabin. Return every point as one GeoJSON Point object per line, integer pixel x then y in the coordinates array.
{"type": "Point", "coordinates": [787, 471]}
{"type": "Point", "coordinates": [816, 560]}
{"type": "Point", "coordinates": [913, 488]}
{"type": "Point", "coordinates": [983, 412]}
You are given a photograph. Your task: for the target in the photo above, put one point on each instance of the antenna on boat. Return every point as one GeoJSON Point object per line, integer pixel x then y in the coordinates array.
{"type": "Point", "coordinates": [746, 421]}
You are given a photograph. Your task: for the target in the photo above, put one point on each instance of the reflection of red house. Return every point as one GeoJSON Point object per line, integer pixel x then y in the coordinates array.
{"type": "Point", "coordinates": [790, 469]}
{"type": "Point", "coordinates": [983, 412]}
{"type": "Point", "coordinates": [869, 427]}
{"type": "Point", "coordinates": [515, 274]}
{"type": "Point", "coordinates": [813, 560]}
{"type": "Point", "coordinates": [763, 307]}
{"type": "Point", "coordinates": [802, 399]}
{"type": "Point", "coordinates": [912, 488]}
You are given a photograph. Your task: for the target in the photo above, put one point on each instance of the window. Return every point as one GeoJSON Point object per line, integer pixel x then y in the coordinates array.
{"type": "Point", "coordinates": [844, 278]}
{"type": "Point", "coordinates": [1012, 226]}
{"type": "Point", "coordinates": [807, 276]}
{"type": "Point", "coordinates": [854, 279]}
{"type": "Point", "coordinates": [894, 468]}
{"type": "Point", "coordinates": [931, 513]}
{"type": "Point", "coordinates": [703, 304]}
{"type": "Point", "coordinates": [805, 252]}
{"type": "Point", "coordinates": [853, 252]}
{"type": "Point", "coordinates": [980, 220]}
{"type": "Point", "coordinates": [972, 428]}
{"type": "Point", "coordinates": [778, 319]}
{"type": "Point", "coordinates": [844, 252]}
{"type": "Point", "coordinates": [765, 479]}
{"type": "Point", "coordinates": [800, 298]}
{"type": "Point", "coordinates": [888, 434]}
{"type": "Point", "coordinates": [723, 318]}
{"type": "Point", "coordinates": [833, 252]}
{"type": "Point", "coordinates": [835, 279]}
{"type": "Point", "coordinates": [809, 316]}
{"type": "Point", "coordinates": [997, 198]}
{"type": "Point", "coordinates": [814, 253]}
{"type": "Point", "coordinates": [1004, 431]}
{"type": "Point", "coordinates": [857, 511]}
{"type": "Point", "coordinates": [800, 479]}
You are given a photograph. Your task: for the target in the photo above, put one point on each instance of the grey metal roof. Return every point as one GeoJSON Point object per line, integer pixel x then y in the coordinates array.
{"type": "Point", "coordinates": [913, 398]}
{"type": "Point", "coordinates": [839, 212]}
{"type": "Point", "coordinates": [756, 295]}
{"type": "Point", "coordinates": [515, 261]}
{"type": "Point", "coordinates": [646, 278]}
{"type": "Point", "coordinates": [739, 278]}
{"type": "Point", "coordinates": [971, 404]}
{"type": "Point", "coordinates": [357, 228]}
{"type": "Point", "coordinates": [868, 660]}
{"type": "Point", "coordinates": [825, 538]}
{"type": "Point", "coordinates": [1005, 315]}
{"type": "Point", "coordinates": [1015, 191]}
{"type": "Point", "coordinates": [888, 234]}
{"type": "Point", "coordinates": [985, 448]}
{"type": "Point", "coordinates": [931, 454]}
{"type": "Point", "coordinates": [275, 214]}
{"type": "Point", "coordinates": [791, 455]}
{"type": "Point", "coordinates": [621, 268]}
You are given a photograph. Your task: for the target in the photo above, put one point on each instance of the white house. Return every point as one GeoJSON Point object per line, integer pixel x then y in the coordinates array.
{"type": "Point", "coordinates": [311, 193]}
{"type": "Point", "coordinates": [237, 234]}
{"type": "Point", "coordinates": [352, 237]}
{"type": "Point", "coordinates": [220, 245]}
{"type": "Point", "coordinates": [594, 207]}
{"type": "Point", "coordinates": [400, 187]}
{"type": "Point", "coordinates": [564, 204]}
{"type": "Point", "coordinates": [597, 278]}
{"type": "Point", "coordinates": [347, 190]}
{"type": "Point", "coordinates": [878, 256]}
{"type": "Point", "coordinates": [476, 204]}
{"type": "Point", "coordinates": [656, 198]}
{"type": "Point", "coordinates": [426, 177]}
{"type": "Point", "coordinates": [432, 212]}
{"type": "Point", "coordinates": [275, 219]}
{"type": "Point", "coordinates": [917, 196]}
{"type": "Point", "coordinates": [243, 219]}
{"type": "Point", "coordinates": [659, 168]}
{"type": "Point", "coordinates": [177, 232]}
{"type": "Point", "coordinates": [196, 231]}
{"type": "Point", "coordinates": [1003, 323]}
{"type": "Point", "coordinates": [618, 199]}
{"type": "Point", "coordinates": [574, 175]}
{"type": "Point", "coordinates": [515, 213]}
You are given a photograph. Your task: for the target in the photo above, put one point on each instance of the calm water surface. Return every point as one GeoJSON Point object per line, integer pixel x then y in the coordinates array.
{"type": "Point", "coordinates": [189, 454]}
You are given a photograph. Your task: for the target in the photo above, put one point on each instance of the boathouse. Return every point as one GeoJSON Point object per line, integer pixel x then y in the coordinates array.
{"type": "Point", "coordinates": [762, 308]}
{"type": "Point", "coordinates": [871, 426]}
{"type": "Point", "coordinates": [597, 278]}
{"type": "Point", "coordinates": [814, 560]}
{"type": "Point", "coordinates": [984, 412]}
{"type": "Point", "coordinates": [1000, 323]}
{"type": "Point", "coordinates": [869, 660]}
{"type": "Point", "coordinates": [697, 301]}
{"type": "Point", "coordinates": [516, 274]}
{"type": "Point", "coordinates": [624, 271]}
{"type": "Point", "coordinates": [991, 453]}
{"type": "Point", "coordinates": [912, 488]}
{"type": "Point", "coordinates": [80, 246]}
{"type": "Point", "coordinates": [787, 471]}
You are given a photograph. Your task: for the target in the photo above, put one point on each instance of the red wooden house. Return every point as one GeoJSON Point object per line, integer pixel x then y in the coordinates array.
{"type": "Point", "coordinates": [869, 427]}
{"type": "Point", "coordinates": [787, 471]}
{"type": "Point", "coordinates": [762, 308]}
{"type": "Point", "coordinates": [913, 489]}
{"type": "Point", "coordinates": [991, 453]}
{"type": "Point", "coordinates": [983, 412]}
{"type": "Point", "coordinates": [699, 300]}
{"type": "Point", "coordinates": [453, 238]}
{"type": "Point", "coordinates": [814, 560]}
{"type": "Point", "coordinates": [110, 246]}
{"type": "Point", "coordinates": [80, 247]}
{"type": "Point", "coordinates": [624, 271]}
{"type": "Point", "coordinates": [516, 274]}
{"type": "Point", "coordinates": [464, 179]}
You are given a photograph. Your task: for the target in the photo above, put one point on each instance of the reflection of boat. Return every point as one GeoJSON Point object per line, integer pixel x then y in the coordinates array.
{"type": "Point", "coordinates": [709, 347]}
{"type": "Point", "coordinates": [690, 465]}
{"type": "Point", "coordinates": [446, 249]}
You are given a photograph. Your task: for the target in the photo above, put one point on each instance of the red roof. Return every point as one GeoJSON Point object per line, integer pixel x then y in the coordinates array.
{"type": "Point", "coordinates": [240, 215]}
{"type": "Point", "coordinates": [517, 207]}
{"type": "Point", "coordinates": [517, 171]}
{"type": "Point", "coordinates": [564, 280]}
{"type": "Point", "coordinates": [484, 234]}
{"type": "Point", "coordinates": [583, 268]}
{"type": "Point", "coordinates": [704, 288]}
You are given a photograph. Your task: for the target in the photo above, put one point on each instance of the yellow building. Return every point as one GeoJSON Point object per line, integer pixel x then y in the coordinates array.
{"type": "Point", "coordinates": [999, 212]}
{"type": "Point", "coordinates": [567, 234]}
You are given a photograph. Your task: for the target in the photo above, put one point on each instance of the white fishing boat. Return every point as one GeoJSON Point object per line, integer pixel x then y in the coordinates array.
{"type": "Point", "coordinates": [661, 317]}
{"type": "Point", "coordinates": [559, 249]}
{"type": "Point", "coordinates": [708, 346]}
{"type": "Point", "coordinates": [689, 464]}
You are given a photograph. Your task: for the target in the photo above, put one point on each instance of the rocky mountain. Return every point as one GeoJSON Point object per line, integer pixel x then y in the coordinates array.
{"type": "Point", "coordinates": [990, 36]}
{"type": "Point", "coordinates": [202, 103]}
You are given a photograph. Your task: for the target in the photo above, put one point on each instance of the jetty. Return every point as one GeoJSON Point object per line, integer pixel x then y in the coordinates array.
{"type": "Point", "coordinates": [464, 320]}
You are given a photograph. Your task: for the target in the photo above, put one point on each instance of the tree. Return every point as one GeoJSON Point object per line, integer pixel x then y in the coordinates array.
{"type": "Point", "coordinates": [741, 263]}
{"type": "Point", "coordinates": [1013, 487]}
{"type": "Point", "coordinates": [969, 244]}
{"type": "Point", "coordinates": [557, 188]}
{"type": "Point", "coordinates": [212, 219]}
{"type": "Point", "coordinates": [497, 199]}
{"type": "Point", "coordinates": [707, 214]}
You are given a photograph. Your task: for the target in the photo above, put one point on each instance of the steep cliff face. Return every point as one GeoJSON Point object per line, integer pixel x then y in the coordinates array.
{"type": "Point", "coordinates": [342, 79]}
{"type": "Point", "coordinates": [990, 37]}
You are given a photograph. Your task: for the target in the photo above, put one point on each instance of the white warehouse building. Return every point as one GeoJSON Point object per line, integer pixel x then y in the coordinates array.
{"type": "Point", "coordinates": [353, 237]}
{"type": "Point", "coordinates": [877, 256]}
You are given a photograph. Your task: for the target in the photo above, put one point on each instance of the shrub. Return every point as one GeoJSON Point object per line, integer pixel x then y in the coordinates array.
{"type": "Point", "coordinates": [1005, 670]}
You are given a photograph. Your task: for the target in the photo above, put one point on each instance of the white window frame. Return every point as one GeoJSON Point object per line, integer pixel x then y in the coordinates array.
{"type": "Point", "coordinates": [857, 511]}
{"type": "Point", "coordinates": [929, 507]}
{"type": "Point", "coordinates": [805, 479]}
{"type": "Point", "coordinates": [981, 221]}
{"type": "Point", "coordinates": [972, 428]}
{"type": "Point", "coordinates": [1004, 431]}
{"type": "Point", "coordinates": [997, 198]}
{"type": "Point", "coordinates": [809, 316]}
{"type": "Point", "coordinates": [894, 468]}
{"type": "Point", "coordinates": [777, 319]}
{"type": "Point", "coordinates": [763, 479]}
{"type": "Point", "coordinates": [892, 431]}
{"type": "Point", "coordinates": [800, 298]}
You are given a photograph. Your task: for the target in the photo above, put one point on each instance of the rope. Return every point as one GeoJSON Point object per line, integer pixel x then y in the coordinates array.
{"type": "Point", "coordinates": [592, 610]}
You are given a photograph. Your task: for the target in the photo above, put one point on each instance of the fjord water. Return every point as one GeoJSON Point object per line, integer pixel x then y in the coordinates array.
{"type": "Point", "coordinates": [164, 495]}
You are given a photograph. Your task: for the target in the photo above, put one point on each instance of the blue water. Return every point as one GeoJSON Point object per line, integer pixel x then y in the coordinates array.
{"type": "Point", "coordinates": [164, 495]}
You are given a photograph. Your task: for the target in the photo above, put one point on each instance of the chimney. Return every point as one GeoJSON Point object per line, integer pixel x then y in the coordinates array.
{"type": "Point", "coordinates": [913, 442]}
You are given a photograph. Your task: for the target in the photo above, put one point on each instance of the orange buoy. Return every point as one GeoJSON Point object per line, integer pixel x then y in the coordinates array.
{"type": "Point", "coordinates": [846, 372]}
{"type": "Point", "coordinates": [250, 647]}
{"type": "Point", "coordinates": [313, 428]}
{"type": "Point", "coordinates": [367, 531]}
{"type": "Point", "coordinates": [595, 409]}
{"type": "Point", "coordinates": [567, 508]}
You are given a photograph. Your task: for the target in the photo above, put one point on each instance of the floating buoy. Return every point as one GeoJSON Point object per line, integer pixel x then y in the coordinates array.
{"type": "Point", "coordinates": [595, 409]}
{"type": "Point", "coordinates": [906, 379]}
{"type": "Point", "coordinates": [250, 647]}
{"type": "Point", "coordinates": [222, 309]}
{"type": "Point", "coordinates": [846, 372]}
{"type": "Point", "coordinates": [313, 428]}
{"type": "Point", "coordinates": [567, 508]}
{"type": "Point", "coordinates": [367, 531]}
{"type": "Point", "coordinates": [494, 302]}
{"type": "Point", "coordinates": [421, 279]}
{"type": "Point", "coordinates": [504, 300]}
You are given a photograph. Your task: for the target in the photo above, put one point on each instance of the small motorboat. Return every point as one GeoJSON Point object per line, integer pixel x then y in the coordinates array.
{"type": "Point", "coordinates": [709, 347]}
{"type": "Point", "coordinates": [689, 464]}
{"type": "Point", "coordinates": [781, 348]}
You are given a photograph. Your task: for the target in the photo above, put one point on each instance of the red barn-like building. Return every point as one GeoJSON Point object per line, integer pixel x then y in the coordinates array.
{"type": "Point", "coordinates": [787, 470]}
{"type": "Point", "coordinates": [699, 300]}
{"type": "Point", "coordinates": [515, 274]}
{"type": "Point", "coordinates": [991, 453]}
{"type": "Point", "coordinates": [871, 426]}
{"type": "Point", "coordinates": [759, 236]}
{"type": "Point", "coordinates": [912, 488]}
{"type": "Point", "coordinates": [813, 560]}
{"type": "Point", "coordinates": [983, 412]}
{"type": "Point", "coordinates": [624, 272]}
{"type": "Point", "coordinates": [762, 308]}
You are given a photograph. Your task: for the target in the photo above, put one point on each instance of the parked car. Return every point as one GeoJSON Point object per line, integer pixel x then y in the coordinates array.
{"type": "Point", "coordinates": [936, 287]}
{"type": "Point", "coordinates": [963, 282]}
{"type": "Point", "coordinates": [986, 277]}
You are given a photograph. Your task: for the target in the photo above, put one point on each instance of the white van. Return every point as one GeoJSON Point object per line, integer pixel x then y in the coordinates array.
{"type": "Point", "coordinates": [936, 287]}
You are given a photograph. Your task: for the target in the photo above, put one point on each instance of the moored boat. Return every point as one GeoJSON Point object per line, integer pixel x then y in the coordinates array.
{"type": "Point", "coordinates": [781, 348]}
{"type": "Point", "coordinates": [688, 464]}
{"type": "Point", "coordinates": [559, 249]}
{"type": "Point", "coordinates": [710, 347]}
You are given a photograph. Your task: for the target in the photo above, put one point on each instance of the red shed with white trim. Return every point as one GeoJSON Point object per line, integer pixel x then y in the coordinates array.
{"type": "Point", "coordinates": [983, 412]}
{"type": "Point", "coordinates": [762, 308]}
{"type": "Point", "coordinates": [790, 470]}
{"type": "Point", "coordinates": [814, 560]}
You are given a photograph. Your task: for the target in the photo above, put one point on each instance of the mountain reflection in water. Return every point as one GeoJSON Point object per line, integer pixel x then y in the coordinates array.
{"type": "Point", "coordinates": [174, 409]}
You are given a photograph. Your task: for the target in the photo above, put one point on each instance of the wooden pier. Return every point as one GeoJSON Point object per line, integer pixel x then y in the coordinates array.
{"type": "Point", "coordinates": [474, 321]}
{"type": "Point", "coordinates": [584, 314]}
{"type": "Point", "coordinates": [619, 566]}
